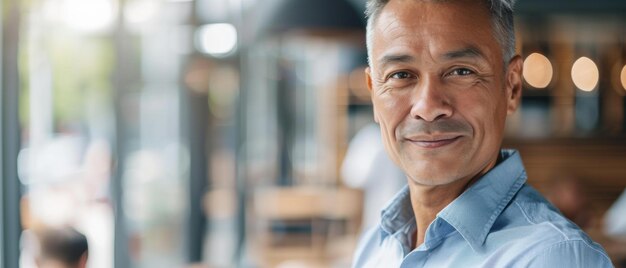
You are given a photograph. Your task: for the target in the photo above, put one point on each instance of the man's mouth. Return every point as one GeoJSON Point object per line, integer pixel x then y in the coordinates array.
{"type": "Point", "coordinates": [433, 142]}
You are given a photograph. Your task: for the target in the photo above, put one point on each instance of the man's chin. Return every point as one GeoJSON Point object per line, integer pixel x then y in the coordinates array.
{"type": "Point", "coordinates": [433, 178]}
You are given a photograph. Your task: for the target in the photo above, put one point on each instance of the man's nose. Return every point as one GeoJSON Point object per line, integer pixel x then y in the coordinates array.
{"type": "Point", "coordinates": [429, 101]}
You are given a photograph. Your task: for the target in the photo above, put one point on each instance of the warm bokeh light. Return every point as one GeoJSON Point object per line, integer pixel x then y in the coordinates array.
{"type": "Point", "coordinates": [218, 39]}
{"type": "Point", "coordinates": [622, 77]}
{"type": "Point", "coordinates": [537, 70]}
{"type": "Point", "coordinates": [585, 74]}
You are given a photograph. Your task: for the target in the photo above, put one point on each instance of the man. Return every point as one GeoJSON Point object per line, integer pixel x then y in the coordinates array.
{"type": "Point", "coordinates": [443, 77]}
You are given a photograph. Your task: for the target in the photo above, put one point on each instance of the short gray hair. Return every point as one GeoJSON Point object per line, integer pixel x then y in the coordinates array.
{"type": "Point", "coordinates": [501, 18]}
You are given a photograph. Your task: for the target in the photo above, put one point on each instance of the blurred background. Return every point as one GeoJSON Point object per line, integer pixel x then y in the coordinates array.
{"type": "Point", "coordinates": [239, 133]}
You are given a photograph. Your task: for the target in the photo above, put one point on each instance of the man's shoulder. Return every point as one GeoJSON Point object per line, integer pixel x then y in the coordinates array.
{"type": "Point", "coordinates": [530, 208]}
{"type": "Point", "coordinates": [545, 234]}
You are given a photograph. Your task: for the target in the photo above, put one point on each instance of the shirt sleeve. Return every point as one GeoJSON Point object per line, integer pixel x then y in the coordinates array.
{"type": "Point", "coordinates": [571, 253]}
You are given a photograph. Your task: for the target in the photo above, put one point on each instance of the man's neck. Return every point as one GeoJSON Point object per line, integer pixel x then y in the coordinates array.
{"type": "Point", "coordinates": [428, 200]}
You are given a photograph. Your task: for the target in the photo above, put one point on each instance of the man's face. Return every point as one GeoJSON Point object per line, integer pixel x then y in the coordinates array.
{"type": "Point", "coordinates": [439, 89]}
{"type": "Point", "coordinates": [51, 263]}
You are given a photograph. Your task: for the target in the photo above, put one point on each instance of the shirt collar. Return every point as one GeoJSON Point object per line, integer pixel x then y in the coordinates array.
{"type": "Point", "coordinates": [398, 214]}
{"type": "Point", "coordinates": [472, 213]}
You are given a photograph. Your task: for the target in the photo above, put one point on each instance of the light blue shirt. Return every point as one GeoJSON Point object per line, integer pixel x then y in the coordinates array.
{"type": "Point", "coordinates": [499, 221]}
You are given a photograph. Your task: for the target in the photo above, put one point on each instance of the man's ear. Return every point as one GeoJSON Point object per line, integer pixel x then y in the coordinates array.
{"type": "Point", "coordinates": [82, 263]}
{"type": "Point", "coordinates": [513, 84]}
{"type": "Point", "coordinates": [368, 81]}
{"type": "Point", "coordinates": [368, 78]}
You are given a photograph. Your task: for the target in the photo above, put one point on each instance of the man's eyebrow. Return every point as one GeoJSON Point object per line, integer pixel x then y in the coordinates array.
{"type": "Point", "coordinates": [466, 52]}
{"type": "Point", "coordinates": [395, 58]}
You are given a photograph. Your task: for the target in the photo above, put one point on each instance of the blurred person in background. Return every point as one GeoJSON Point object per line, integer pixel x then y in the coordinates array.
{"type": "Point", "coordinates": [365, 166]}
{"type": "Point", "coordinates": [62, 248]}
{"type": "Point", "coordinates": [569, 196]}
{"type": "Point", "coordinates": [614, 220]}
{"type": "Point", "coordinates": [443, 77]}
{"type": "Point", "coordinates": [71, 189]}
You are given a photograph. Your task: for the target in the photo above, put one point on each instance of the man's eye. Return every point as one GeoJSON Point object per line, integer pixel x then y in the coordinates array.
{"type": "Point", "coordinates": [400, 75]}
{"type": "Point", "coordinates": [461, 72]}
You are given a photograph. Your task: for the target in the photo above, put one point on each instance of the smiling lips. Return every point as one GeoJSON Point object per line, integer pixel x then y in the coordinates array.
{"type": "Point", "coordinates": [435, 141]}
